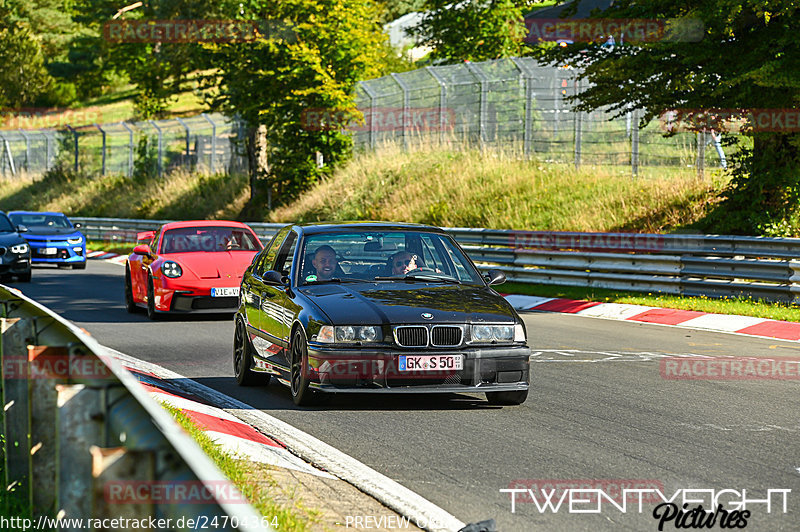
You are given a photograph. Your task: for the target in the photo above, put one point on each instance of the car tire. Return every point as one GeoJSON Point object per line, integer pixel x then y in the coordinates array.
{"type": "Point", "coordinates": [243, 359]}
{"type": "Point", "coordinates": [507, 398]}
{"type": "Point", "coordinates": [302, 395]}
{"type": "Point", "coordinates": [130, 304]}
{"type": "Point", "coordinates": [25, 277]}
{"type": "Point", "coordinates": [79, 266]}
{"type": "Point", "coordinates": [151, 300]}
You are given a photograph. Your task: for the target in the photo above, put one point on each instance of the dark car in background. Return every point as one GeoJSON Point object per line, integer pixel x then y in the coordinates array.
{"type": "Point", "coordinates": [376, 308]}
{"type": "Point", "coordinates": [15, 253]}
{"type": "Point", "coordinates": [53, 238]}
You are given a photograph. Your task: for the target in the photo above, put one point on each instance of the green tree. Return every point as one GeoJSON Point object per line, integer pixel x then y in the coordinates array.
{"type": "Point", "coordinates": [23, 76]}
{"type": "Point", "coordinates": [473, 30]}
{"type": "Point", "coordinates": [748, 58]}
{"type": "Point", "coordinates": [305, 67]}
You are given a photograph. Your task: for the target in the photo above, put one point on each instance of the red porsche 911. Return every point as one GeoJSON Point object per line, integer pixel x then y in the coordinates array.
{"type": "Point", "coordinates": [193, 266]}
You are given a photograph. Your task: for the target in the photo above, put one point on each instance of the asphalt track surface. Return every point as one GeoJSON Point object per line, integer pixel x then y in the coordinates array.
{"type": "Point", "coordinates": [599, 414]}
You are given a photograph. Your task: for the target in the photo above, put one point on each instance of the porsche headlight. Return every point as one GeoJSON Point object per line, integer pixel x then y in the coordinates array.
{"type": "Point", "coordinates": [329, 334]}
{"type": "Point", "coordinates": [498, 333]}
{"type": "Point", "coordinates": [171, 269]}
{"type": "Point", "coordinates": [75, 240]}
{"type": "Point", "coordinates": [19, 249]}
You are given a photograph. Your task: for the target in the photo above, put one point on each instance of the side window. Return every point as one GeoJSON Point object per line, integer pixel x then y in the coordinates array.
{"type": "Point", "coordinates": [286, 257]}
{"type": "Point", "coordinates": [268, 258]}
{"type": "Point", "coordinates": [154, 242]}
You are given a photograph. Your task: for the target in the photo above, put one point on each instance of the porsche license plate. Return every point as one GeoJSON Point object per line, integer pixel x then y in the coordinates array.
{"type": "Point", "coordinates": [225, 292]}
{"type": "Point", "coordinates": [430, 362]}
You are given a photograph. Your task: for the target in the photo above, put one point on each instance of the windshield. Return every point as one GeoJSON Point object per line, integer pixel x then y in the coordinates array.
{"type": "Point", "coordinates": [389, 256]}
{"type": "Point", "coordinates": [209, 239]}
{"type": "Point", "coordinates": [40, 220]}
{"type": "Point", "coordinates": [5, 224]}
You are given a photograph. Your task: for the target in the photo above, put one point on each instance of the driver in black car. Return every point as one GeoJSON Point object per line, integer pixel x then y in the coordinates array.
{"type": "Point", "coordinates": [325, 263]}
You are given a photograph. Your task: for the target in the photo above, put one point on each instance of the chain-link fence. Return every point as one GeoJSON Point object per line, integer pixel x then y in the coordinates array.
{"type": "Point", "coordinates": [521, 105]}
{"type": "Point", "coordinates": [209, 142]}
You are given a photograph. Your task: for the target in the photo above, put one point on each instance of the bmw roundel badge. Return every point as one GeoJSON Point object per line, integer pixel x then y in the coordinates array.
{"type": "Point", "coordinates": [427, 316]}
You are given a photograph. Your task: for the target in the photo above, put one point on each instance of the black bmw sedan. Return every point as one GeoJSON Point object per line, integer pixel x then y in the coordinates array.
{"type": "Point", "coordinates": [15, 253]}
{"type": "Point", "coordinates": [376, 308]}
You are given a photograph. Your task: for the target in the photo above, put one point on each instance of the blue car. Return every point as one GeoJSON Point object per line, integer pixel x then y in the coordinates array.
{"type": "Point", "coordinates": [53, 238]}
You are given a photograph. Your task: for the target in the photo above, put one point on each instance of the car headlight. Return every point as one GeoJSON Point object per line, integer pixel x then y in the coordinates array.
{"type": "Point", "coordinates": [75, 240]}
{"type": "Point", "coordinates": [329, 334]}
{"type": "Point", "coordinates": [19, 249]}
{"type": "Point", "coordinates": [171, 269]}
{"type": "Point", "coordinates": [498, 333]}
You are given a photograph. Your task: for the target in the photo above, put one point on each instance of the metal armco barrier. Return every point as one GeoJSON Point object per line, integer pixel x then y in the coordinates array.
{"type": "Point", "coordinates": [710, 265]}
{"type": "Point", "coordinates": [83, 440]}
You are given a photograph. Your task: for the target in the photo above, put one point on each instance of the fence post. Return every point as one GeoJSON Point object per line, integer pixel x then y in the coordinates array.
{"type": "Point", "coordinates": [103, 133]}
{"type": "Point", "coordinates": [634, 117]}
{"type": "Point", "coordinates": [185, 127]}
{"type": "Point", "coordinates": [48, 151]}
{"type": "Point", "coordinates": [130, 147]}
{"type": "Point", "coordinates": [577, 118]}
{"type": "Point", "coordinates": [404, 88]}
{"type": "Point", "coordinates": [27, 149]}
{"type": "Point", "coordinates": [483, 103]}
{"type": "Point", "coordinates": [701, 153]}
{"type": "Point", "coordinates": [442, 101]}
{"type": "Point", "coordinates": [213, 139]}
{"type": "Point", "coordinates": [75, 136]}
{"type": "Point", "coordinates": [371, 95]}
{"type": "Point", "coordinates": [526, 79]}
{"type": "Point", "coordinates": [160, 146]}
{"type": "Point", "coordinates": [15, 335]}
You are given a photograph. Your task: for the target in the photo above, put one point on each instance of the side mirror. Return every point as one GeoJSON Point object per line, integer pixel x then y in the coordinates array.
{"type": "Point", "coordinates": [495, 277]}
{"type": "Point", "coordinates": [274, 278]}
{"type": "Point", "coordinates": [78, 225]}
{"type": "Point", "coordinates": [22, 229]}
{"type": "Point", "coordinates": [142, 249]}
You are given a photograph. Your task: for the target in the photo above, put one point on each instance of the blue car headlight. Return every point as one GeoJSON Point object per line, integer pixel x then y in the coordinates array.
{"type": "Point", "coordinates": [75, 240]}
{"type": "Point", "coordinates": [19, 249]}
{"type": "Point", "coordinates": [171, 269]}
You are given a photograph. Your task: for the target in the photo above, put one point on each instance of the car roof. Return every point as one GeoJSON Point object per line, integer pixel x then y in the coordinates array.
{"type": "Point", "coordinates": [48, 213]}
{"type": "Point", "coordinates": [203, 223]}
{"type": "Point", "coordinates": [327, 227]}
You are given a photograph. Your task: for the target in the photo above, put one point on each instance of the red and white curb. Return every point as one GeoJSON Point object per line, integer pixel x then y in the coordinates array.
{"type": "Point", "coordinates": [236, 437]}
{"type": "Point", "coordinates": [105, 255]}
{"type": "Point", "coordinates": [231, 418]}
{"type": "Point", "coordinates": [729, 323]}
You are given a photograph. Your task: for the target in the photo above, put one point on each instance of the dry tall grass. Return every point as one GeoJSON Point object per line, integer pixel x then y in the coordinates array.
{"type": "Point", "coordinates": [499, 190]}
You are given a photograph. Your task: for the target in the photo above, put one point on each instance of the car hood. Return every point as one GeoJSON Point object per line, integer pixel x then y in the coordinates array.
{"type": "Point", "coordinates": [11, 239]}
{"type": "Point", "coordinates": [220, 264]}
{"type": "Point", "coordinates": [400, 302]}
{"type": "Point", "coordinates": [37, 231]}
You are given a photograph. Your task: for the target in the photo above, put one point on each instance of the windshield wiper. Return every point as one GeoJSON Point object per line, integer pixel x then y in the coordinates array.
{"type": "Point", "coordinates": [422, 277]}
{"type": "Point", "coordinates": [337, 280]}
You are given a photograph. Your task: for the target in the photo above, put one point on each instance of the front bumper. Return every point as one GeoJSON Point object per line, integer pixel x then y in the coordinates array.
{"type": "Point", "coordinates": [179, 296]}
{"type": "Point", "coordinates": [485, 369]}
{"type": "Point", "coordinates": [11, 264]}
{"type": "Point", "coordinates": [64, 253]}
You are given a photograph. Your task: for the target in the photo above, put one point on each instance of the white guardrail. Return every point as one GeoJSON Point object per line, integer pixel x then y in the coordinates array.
{"type": "Point", "coordinates": [84, 443]}
{"type": "Point", "coordinates": [709, 265]}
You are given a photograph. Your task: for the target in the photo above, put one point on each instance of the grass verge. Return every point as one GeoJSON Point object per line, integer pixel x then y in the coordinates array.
{"type": "Point", "coordinates": [738, 306]}
{"type": "Point", "coordinates": [252, 482]}
{"type": "Point", "coordinates": [122, 248]}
